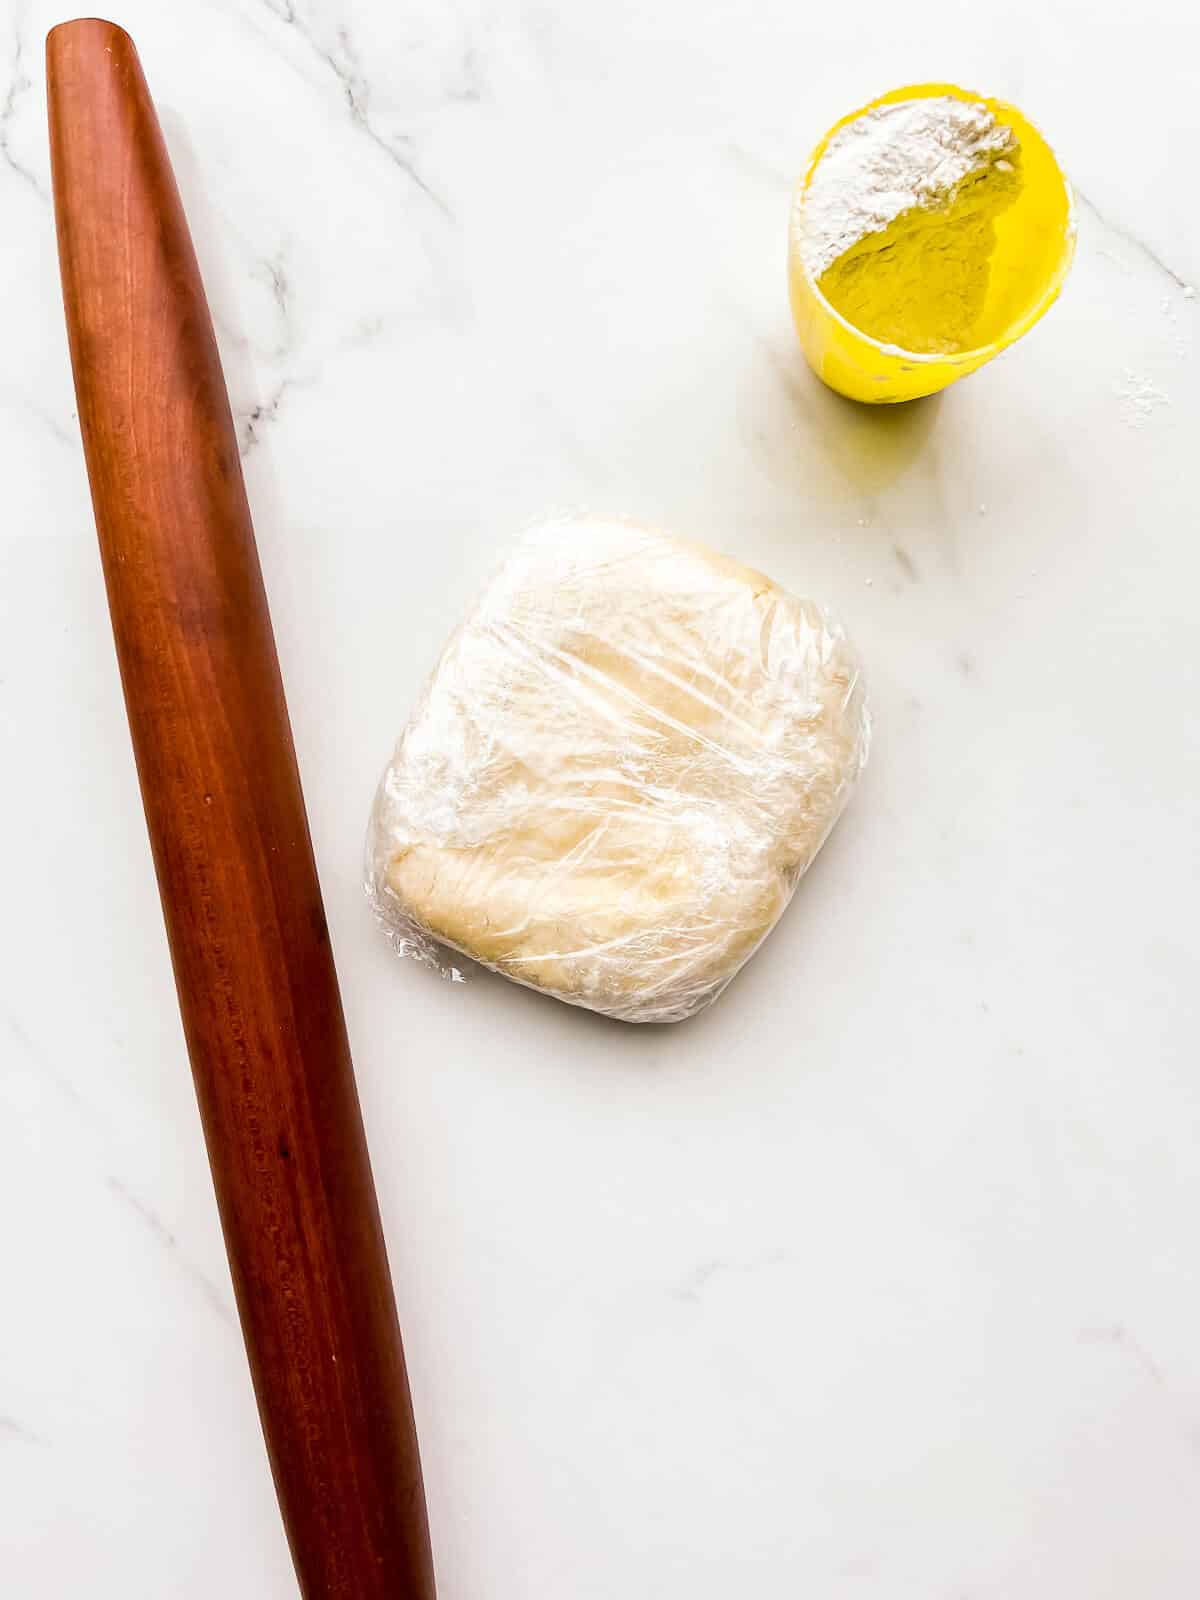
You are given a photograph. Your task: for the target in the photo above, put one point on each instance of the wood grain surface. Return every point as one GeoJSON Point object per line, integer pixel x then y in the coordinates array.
{"type": "Point", "coordinates": [251, 953]}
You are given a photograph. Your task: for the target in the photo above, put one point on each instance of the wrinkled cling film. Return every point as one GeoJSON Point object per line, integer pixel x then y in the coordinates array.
{"type": "Point", "coordinates": [622, 765]}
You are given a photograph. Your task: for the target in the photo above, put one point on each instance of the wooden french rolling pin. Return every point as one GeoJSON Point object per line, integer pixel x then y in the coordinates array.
{"type": "Point", "coordinates": [253, 967]}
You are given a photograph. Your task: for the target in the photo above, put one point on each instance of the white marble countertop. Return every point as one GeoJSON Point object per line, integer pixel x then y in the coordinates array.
{"type": "Point", "coordinates": [879, 1279]}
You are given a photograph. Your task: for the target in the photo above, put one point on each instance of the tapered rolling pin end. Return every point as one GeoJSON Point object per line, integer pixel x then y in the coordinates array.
{"type": "Point", "coordinates": [88, 33]}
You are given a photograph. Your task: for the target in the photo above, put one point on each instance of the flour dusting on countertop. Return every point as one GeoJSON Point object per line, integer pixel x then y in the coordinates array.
{"type": "Point", "coordinates": [1140, 397]}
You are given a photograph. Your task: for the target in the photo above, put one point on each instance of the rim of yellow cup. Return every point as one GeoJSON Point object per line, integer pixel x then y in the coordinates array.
{"type": "Point", "coordinates": [1021, 325]}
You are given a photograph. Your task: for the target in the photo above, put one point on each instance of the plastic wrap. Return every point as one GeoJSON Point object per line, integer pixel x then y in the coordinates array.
{"type": "Point", "coordinates": [622, 765]}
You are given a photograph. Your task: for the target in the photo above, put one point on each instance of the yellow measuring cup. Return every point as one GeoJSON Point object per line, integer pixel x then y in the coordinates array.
{"type": "Point", "coordinates": [1035, 241]}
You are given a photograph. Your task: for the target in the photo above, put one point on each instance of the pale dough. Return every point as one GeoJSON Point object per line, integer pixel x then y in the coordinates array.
{"type": "Point", "coordinates": [622, 765]}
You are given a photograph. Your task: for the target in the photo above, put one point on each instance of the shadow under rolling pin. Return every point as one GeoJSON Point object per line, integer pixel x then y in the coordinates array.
{"type": "Point", "coordinates": [253, 966]}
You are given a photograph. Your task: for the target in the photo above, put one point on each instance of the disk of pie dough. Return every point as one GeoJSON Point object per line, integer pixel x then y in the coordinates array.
{"type": "Point", "coordinates": [620, 768]}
